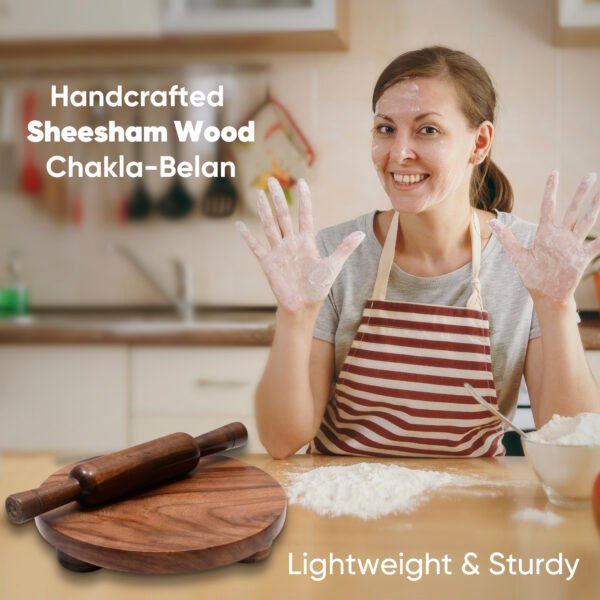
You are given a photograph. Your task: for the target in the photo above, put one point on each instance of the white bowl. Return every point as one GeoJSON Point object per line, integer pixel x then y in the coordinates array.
{"type": "Point", "coordinates": [567, 473]}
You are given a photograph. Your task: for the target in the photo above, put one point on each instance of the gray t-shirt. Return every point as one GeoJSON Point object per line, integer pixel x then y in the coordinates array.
{"type": "Point", "coordinates": [513, 321]}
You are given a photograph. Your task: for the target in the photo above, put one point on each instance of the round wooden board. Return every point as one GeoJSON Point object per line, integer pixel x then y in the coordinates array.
{"type": "Point", "coordinates": [224, 511]}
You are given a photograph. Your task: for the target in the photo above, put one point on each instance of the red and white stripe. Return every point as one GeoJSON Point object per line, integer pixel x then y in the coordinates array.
{"type": "Point", "coordinates": [400, 391]}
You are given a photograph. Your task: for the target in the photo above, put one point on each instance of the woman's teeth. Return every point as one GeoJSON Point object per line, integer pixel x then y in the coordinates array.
{"type": "Point", "coordinates": [408, 178]}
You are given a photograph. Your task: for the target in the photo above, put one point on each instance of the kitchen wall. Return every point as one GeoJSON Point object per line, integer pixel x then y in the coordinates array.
{"type": "Point", "coordinates": [547, 118]}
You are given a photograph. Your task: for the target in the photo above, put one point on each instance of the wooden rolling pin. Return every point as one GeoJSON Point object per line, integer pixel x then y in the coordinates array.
{"type": "Point", "coordinates": [107, 477]}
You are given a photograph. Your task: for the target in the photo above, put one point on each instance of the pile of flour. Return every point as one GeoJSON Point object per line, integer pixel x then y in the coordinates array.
{"type": "Point", "coordinates": [364, 490]}
{"type": "Point", "coordinates": [582, 430]}
{"type": "Point", "coordinates": [544, 517]}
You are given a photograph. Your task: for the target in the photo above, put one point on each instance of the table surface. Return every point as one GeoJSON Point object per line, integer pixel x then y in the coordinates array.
{"type": "Point", "coordinates": [451, 521]}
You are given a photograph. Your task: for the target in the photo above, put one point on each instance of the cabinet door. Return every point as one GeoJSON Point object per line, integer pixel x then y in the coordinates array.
{"type": "Point", "coordinates": [149, 427]}
{"type": "Point", "coordinates": [63, 398]}
{"type": "Point", "coordinates": [35, 20]}
{"type": "Point", "coordinates": [593, 359]}
{"type": "Point", "coordinates": [194, 389]}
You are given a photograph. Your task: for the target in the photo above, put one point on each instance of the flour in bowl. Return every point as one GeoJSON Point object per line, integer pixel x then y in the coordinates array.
{"type": "Point", "coordinates": [364, 490]}
{"type": "Point", "coordinates": [582, 430]}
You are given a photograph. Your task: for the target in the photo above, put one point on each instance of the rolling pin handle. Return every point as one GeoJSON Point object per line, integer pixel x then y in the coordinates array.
{"type": "Point", "coordinates": [24, 506]}
{"type": "Point", "coordinates": [232, 435]}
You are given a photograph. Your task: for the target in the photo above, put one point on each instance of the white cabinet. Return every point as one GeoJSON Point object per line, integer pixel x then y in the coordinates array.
{"type": "Point", "coordinates": [524, 417]}
{"type": "Point", "coordinates": [65, 398]}
{"type": "Point", "coordinates": [593, 359]}
{"type": "Point", "coordinates": [201, 17]}
{"type": "Point", "coordinates": [97, 399]}
{"type": "Point", "coordinates": [172, 24]}
{"type": "Point", "coordinates": [194, 390]}
{"type": "Point", "coordinates": [29, 20]}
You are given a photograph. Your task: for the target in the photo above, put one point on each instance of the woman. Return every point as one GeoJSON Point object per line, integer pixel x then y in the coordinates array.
{"type": "Point", "coordinates": [429, 299]}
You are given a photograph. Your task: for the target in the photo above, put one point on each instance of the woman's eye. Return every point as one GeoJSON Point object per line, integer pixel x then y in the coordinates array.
{"type": "Point", "coordinates": [385, 129]}
{"type": "Point", "coordinates": [429, 130]}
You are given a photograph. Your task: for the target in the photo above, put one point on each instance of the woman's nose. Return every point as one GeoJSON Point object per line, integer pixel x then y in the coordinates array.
{"type": "Point", "coordinates": [402, 149]}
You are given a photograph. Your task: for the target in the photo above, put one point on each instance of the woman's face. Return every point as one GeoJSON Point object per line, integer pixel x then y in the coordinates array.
{"type": "Point", "coordinates": [422, 144]}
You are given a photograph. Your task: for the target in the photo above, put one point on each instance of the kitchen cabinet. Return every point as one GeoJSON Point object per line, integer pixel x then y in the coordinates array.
{"type": "Point", "coordinates": [96, 399]}
{"type": "Point", "coordinates": [293, 25]}
{"type": "Point", "coordinates": [593, 359]}
{"type": "Point", "coordinates": [194, 389]}
{"type": "Point", "coordinates": [64, 27]}
{"type": "Point", "coordinates": [576, 23]}
{"type": "Point", "coordinates": [65, 398]}
{"type": "Point", "coordinates": [524, 417]}
{"type": "Point", "coordinates": [37, 20]}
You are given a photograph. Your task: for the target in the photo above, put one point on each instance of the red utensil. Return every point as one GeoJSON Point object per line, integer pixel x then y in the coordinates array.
{"type": "Point", "coordinates": [121, 210]}
{"type": "Point", "coordinates": [30, 177]}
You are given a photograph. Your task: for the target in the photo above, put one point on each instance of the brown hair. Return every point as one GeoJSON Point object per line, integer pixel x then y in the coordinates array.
{"type": "Point", "coordinates": [490, 188]}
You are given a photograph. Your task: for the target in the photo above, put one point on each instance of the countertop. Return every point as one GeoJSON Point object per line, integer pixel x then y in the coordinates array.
{"type": "Point", "coordinates": [211, 326]}
{"type": "Point", "coordinates": [215, 326]}
{"type": "Point", "coordinates": [452, 521]}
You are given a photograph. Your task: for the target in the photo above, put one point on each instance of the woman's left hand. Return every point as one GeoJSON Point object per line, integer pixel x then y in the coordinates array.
{"type": "Point", "coordinates": [553, 266]}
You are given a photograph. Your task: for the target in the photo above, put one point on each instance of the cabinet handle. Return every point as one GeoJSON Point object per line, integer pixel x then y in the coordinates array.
{"type": "Point", "coordinates": [234, 383]}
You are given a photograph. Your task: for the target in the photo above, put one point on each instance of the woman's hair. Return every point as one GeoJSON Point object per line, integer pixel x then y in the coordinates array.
{"type": "Point", "coordinates": [490, 188]}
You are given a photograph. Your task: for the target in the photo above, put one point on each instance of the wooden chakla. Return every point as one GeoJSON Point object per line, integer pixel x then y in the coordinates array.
{"type": "Point", "coordinates": [224, 511]}
{"type": "Point", "coordinates": [221, 512]}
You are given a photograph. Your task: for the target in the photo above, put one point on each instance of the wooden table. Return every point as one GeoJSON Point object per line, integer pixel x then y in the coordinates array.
{"type": "Point", "coordinates": [453, 522]}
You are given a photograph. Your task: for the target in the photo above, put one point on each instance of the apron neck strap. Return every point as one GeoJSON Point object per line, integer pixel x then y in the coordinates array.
{"type": "Point", "coordinates": [386, 260]}
{"type": "Point", "coordinates": [475, 300]}
{"type": "Point", "coordinates": [389, 250]}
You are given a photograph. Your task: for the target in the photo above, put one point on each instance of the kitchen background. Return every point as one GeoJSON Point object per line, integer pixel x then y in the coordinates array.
{"type": "Point", "coordinates": [546, 118]}
{"type": "Point", "coordinates": [548, 99]}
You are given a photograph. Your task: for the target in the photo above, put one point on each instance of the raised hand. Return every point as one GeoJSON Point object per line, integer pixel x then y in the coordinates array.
{"type": "Point", "coordinates": [296, 273]}
{"type": "Point", "coordinates": [553, 266]}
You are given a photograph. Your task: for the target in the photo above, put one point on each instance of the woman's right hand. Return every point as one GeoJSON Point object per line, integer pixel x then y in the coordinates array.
{"type": "Point", "coordinates": [298, 276]}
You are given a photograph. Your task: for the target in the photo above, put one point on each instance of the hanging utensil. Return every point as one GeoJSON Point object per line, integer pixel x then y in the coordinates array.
{"type": "Point", "coordinates": [55, 192]}
{"type": "Point", "coordinates": [120, 201]}
{"type": "Point", "coordinates": [139, 204]}
{"type": "Point", "coordinates": [280, 150]}
{"type": "Point", "coordinates": [220, 198]}
{"type": "Point", "coordinates": [177, 201]}
{"type": "Point", "coordinates": [76, 207]}
{"type": "Point", "coordinates": [8, 164]}
{"type": "Point", "coordinates": [31, 177]}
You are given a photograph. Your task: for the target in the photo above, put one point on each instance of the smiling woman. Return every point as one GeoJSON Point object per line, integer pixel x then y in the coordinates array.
{"type": "Point", "coordinates": [413, 302]}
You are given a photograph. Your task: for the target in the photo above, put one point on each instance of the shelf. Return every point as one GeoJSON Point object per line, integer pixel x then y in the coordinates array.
{"type": "Point", "coordinates": [164, 35]}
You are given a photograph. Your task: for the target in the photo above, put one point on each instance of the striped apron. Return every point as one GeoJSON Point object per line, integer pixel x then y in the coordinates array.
{"type": "Point", "coordinates": [400, 390]}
